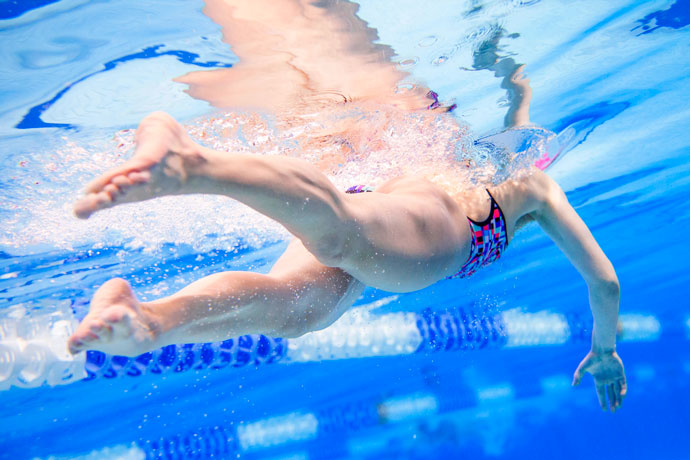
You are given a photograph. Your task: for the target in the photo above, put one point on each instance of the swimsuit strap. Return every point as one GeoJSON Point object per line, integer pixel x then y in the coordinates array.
{"type": "Point", "coordinates": [489, 239]}
{"type": "Point", "coordinates": [495, 205]}
{"type": "Point", "coordinates": [493, 200]}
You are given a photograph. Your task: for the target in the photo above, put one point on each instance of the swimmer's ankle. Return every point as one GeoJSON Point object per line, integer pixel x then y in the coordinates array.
{"type": "Point", "coordinates": [204, 169]}
{"type": "Point", "coordinates": [197, 160]}
{"type": "Point", "coordinates": [191, 165]}
{"type": "Point", "coordinates": [164, 324]}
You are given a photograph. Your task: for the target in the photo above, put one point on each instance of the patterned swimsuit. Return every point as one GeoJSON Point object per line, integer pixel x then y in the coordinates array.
{"type": "Point", "coordinates": [489, 237]}
{"type": "Point", "coordinates": [489, 240]}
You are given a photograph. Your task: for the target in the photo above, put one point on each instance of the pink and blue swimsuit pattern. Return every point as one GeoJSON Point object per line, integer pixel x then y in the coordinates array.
{"type": "Point", "coordinates": [489, 240]}
{"type": "Point", "coordinates": [489, 237]}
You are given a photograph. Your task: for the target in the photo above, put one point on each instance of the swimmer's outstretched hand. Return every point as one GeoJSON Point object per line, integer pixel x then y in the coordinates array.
{"type": "Point", "coordinates": [159, 167]}
{"type": "Point", "coordinates": [609, 377]}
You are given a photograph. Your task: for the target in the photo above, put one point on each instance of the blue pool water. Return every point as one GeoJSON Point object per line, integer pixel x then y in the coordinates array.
{"type": "Point", "coordinates": [610, 78]}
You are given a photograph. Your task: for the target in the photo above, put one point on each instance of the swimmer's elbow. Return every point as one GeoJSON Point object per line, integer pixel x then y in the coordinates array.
{"type": "Point", "coordinates": [606, 285]}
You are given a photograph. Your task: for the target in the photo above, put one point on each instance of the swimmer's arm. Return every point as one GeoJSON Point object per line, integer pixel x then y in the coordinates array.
{"type": "Point", "coordinates": [520, 93]}
{"type": "Point", "coordinates": [559, 220]}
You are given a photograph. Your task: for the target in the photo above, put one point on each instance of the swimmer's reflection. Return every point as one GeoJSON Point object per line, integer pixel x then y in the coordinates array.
{"type": "Point", "coordinates": [487, 56]}
{"type": "Point", "coordinates": [300, 53]}
{"type": "Point", "coordinates": [520, 137]}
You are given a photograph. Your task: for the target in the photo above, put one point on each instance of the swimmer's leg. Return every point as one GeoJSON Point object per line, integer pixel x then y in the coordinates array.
{"type": "Point", "coordinates": [299, 295]}
{"type": "Point", "coordinates": [168, 162]}
{"type": "Point", "coordinates": [404, 238]}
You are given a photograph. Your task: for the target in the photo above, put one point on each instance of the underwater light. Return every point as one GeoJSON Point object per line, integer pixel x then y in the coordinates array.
{"type": "Point", "coordinates": [407, 407]}
{"type": "Point", "coordinates": [639, 328]}
{"type": "Point", "coordinates": [277, 430]}
{"type": "Point", "coordinates": [529, 329]}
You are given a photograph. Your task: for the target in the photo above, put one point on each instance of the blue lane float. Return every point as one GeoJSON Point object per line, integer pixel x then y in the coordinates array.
{"type": "Point", "coordinates": [236, 352]}
{"type": "Point", "coordinates": [33, 350]}
{"type": "Point", "coordinates": [357, 335]}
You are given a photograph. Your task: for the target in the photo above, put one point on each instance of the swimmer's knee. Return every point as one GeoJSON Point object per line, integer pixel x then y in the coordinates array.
{"type": "Point", "coordinates": [310, 321]}
{"type": "Point", "coordinates": [294, 329]}
{"type": "Point", "coordinates": [313, 311]}
{"type": "Point", "coordinates": [300, 321]}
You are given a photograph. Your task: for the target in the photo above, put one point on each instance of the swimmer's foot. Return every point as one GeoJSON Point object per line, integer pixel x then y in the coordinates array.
{"type": "Point", "coordinates": [117, 323]}
{"type": "Point", "coordinates": [160, 166]}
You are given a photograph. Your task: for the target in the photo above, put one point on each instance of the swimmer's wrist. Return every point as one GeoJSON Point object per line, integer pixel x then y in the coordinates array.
{"type": "Point", "coordinates": [603, 351]}
{"type": "Point", "coordinates": [603, 347]}
{"type": "Point", "coordinates": [603, 340]}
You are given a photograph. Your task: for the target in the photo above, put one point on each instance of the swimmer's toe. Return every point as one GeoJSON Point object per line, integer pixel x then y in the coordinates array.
{"type": "Point", "coordinates": [101, 330]}
{"type": "Point", "coordinates": [111, 193]}
{"type": "Point", "coordinates": [91, 203]}
{"type": "Point", "coordinates": [119, 321]}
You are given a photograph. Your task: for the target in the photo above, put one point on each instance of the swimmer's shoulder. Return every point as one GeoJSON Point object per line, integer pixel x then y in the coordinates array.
{"type": "Point", "coordinates": [521, 199]}
{"type": "Point", "coordinates": [535, 191]}
{"type": "Point", "coordinates": [541, 187]}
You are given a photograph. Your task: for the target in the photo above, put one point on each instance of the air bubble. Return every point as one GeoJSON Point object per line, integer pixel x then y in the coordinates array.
{"type": "Point", "coordinates": [409, 62]}
{"type": "Point", "coordinates": [427, 41]}
{"type": "Point", "coordinates": [440, 60]}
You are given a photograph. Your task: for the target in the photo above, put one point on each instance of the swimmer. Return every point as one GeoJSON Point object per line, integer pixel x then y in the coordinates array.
{"type": "Point", "coordinates": [406, 234]}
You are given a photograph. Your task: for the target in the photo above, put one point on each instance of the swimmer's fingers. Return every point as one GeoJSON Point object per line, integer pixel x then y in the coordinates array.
{"type": "Point", "coordinates": [620, 389]}
{"type": "Point", "coordinates": [613, 397]}
{"type": "Point", "coordinates": [601, 394]}
{"type": "Point", "coordinates": [623, 387]}
{"type": "Point", "coordinates": [581, 370]}
{"type": "Point", "coordinates": [609, 378]}
{"type": "Point", "coordinates": [584, 367]}
{"type": "Point", "coordinates": [139, 177]}
{"type": "Point", "coordinates": [104, 179]}
{"type": "Point", "coordinates": [577, 377]}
